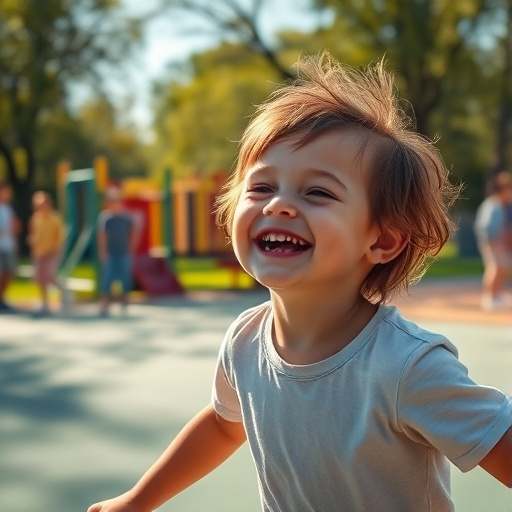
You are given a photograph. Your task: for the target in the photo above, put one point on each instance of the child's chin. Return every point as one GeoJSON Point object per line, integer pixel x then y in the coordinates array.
{"type": "Point", "coordinates": [276, 282]}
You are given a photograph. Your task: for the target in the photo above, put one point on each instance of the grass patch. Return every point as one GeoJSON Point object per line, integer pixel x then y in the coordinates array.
{"type": "Point", "coordinates": [455, 267]}
{"type": "Point", "coordinates": [205, 274]}
{"type": "Point", "coordinates": [449, 265]}
{"type": "Point", "coordinates": [193, 274]}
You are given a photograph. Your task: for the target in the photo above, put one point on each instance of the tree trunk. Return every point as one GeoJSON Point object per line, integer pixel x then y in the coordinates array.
{"type": "Point", "coordinates": [22, 204]}
{"type": "Point", "coordinates": [22, 191]}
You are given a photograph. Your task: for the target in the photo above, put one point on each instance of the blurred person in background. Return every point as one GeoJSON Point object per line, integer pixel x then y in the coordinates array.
{"type": "Point", "coordinates": [46, 235]}
{"type": "Point", "coordinates": [118, 236]}
{"type": "Point", "coordinates": [9, 229]}
{"type": "Point", "coordinates": [493, 237]}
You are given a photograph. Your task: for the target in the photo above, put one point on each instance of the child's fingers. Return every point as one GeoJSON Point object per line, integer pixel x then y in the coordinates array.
{"type": "Point", "coordinates": [114, 505]}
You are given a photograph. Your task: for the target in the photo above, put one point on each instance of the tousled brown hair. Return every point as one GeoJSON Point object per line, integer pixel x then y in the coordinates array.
{"type": "Point", "coordinates": [408, 186]}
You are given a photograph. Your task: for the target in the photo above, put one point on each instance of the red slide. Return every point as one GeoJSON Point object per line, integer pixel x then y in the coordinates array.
{"type": "Point", "coordinates": [155, 276]}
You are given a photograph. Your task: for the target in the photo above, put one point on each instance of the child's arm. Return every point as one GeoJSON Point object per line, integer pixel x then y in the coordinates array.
{"type": "Point", "coordinates": [102, 244]}
{"type": "Point", "coordinates": [135, 233]}
{"type": "Point", "coordinates": [203, 444]}
{"type": "Point", "coordinates": [498, 462]}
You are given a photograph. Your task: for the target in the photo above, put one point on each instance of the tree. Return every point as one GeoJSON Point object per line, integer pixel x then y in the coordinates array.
{"type": "Point", "coordinates": [446, 58]}
{"type": "Point", "coordinates": [421, 39]}
{"type": "Point", "coordinates": [119, 144]}
{"type": "Point", "coordinates": [233, 21]}
{"type": "Point", "coordinates": [199, 122]}
{"type": "Point", "coordinates": [45, 49]}
{"type": "Point", "coordinates": [79, 137]}
{"type": "Point", "coordinates": [503, 146]}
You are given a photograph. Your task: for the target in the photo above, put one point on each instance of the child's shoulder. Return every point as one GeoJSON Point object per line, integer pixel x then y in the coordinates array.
{"type": "Point", "coordinates": [408, 335]}
{"type": "Point", "coordinates": [253, 315]}
{"type": "Point", "coordinates": [249, 322]}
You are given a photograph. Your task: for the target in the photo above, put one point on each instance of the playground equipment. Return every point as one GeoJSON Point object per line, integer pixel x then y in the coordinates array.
{"type": "Point", "coordinates": [79, 195]}
{"type": "Point", "coordinates": [175, 219]}
{"type": "Point", "coordinates": [179, 216]}
{"type": "Point", "coordinates": [195, 231]}
{"type": "Point", "coordinates": [80, 192]}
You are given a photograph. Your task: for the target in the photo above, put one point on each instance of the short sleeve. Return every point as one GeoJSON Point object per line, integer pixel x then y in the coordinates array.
{"type": "Point", "coordinates": [102, 219]}
{"type": "Point", "coordinates": [224, 396]}
{"type": "Point", "coordinates": [495, 226]}
{"type": "Point", "coordinates": [439, 405]}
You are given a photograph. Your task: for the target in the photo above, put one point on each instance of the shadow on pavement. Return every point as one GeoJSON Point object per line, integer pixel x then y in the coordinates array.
{"type": "Point", "coordinates": [87, 404]}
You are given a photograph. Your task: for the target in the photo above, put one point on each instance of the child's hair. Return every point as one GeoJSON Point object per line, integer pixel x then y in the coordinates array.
{"type": "Point", "coordinates": [408, 187]}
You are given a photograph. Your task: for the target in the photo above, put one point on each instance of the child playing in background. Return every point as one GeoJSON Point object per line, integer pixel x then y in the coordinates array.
{"type": "Point", "coordinates": [492, 231]}
{"type": "Point", "coordinates": [46, 235]}
{"type": "Point", "coordinates": [335, 206]}
{"type": "Point", "coordinates": [9, 229]}
{"type": "Point", "coordinates": [118, 236]}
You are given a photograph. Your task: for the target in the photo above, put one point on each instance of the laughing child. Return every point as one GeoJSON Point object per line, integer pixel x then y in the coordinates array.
{"type": "Point", "coordinates": [335, 206]}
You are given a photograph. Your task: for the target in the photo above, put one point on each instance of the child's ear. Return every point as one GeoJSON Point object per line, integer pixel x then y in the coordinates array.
{"type": "Point", "coordinates": [389, 245]}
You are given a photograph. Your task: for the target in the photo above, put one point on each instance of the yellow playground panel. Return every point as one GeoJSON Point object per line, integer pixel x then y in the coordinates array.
{"type": "Point", "coordinates": [192, 220]}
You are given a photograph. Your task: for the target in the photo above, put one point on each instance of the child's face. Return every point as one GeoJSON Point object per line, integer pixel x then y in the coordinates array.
{"type": "Point", "coordinates": [304, 216]}
{"type": "Point", "coordinates": [5, 194]}
{"type": "Point", "coordinates": [40, 204]}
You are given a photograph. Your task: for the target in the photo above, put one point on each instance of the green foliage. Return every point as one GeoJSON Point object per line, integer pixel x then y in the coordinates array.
{"type": "Point", "coordinates": [201, 121]}
{"type": "Point", "coordinates": [422, 41]}
{"type": "Point", "coordinates": [45, 49]}
{"type": "Point", "coordinates": [98, 123]}
{"type": "Point", "coordinates": [448, 65]}
{"type": "Point", "coordinates": [446, 57]}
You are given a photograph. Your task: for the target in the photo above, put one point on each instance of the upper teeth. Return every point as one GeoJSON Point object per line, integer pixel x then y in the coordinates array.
{"type": "Point", "coordinates": [279, 237]}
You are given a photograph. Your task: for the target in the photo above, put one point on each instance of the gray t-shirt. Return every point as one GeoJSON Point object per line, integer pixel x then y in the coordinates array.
{"type": "Point", "coordinates": [118, 228]}
{"type": "Point", "coordinates": [371, 428]}
{"type": "Point", "coordinates": [490, 221]}
{"type": "Point", "coordinates": [7, 238]}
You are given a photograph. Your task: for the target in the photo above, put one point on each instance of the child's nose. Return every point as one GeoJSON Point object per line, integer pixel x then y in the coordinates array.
{"type": "Point", "coordinates": [280, 206]}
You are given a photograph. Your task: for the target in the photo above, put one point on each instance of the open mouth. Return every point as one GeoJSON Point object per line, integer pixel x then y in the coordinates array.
{"type": "Point", "coordinates": [279, 242]}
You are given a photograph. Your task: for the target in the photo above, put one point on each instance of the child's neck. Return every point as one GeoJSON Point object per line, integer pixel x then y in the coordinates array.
{"type": "Point", "coordinates": [306, 331]}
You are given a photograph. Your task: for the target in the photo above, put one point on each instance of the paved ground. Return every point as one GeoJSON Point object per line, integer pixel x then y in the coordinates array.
{"type": "Point", "coordinates": [455, 300]}
{"type": "Point", "coordinates": [86, 404]}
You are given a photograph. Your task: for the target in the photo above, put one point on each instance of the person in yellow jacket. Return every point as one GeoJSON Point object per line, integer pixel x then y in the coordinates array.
{"type": "Point", "coordinates": [46, 238]}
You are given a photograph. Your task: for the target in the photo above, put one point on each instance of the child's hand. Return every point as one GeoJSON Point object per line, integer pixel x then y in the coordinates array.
{"type": "Point", "coordinates": [120, 504]}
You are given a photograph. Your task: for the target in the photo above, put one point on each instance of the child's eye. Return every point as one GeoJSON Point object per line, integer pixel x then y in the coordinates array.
{"type": "Point", "coordinates": [318, 192]}
{"type": "Point", "coordinates": [260, 188]}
